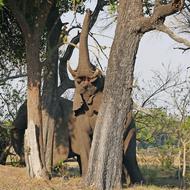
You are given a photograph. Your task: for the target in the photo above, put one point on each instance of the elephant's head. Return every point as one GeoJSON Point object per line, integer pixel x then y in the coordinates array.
{"type": "Point", "coordinates": [88, 78]}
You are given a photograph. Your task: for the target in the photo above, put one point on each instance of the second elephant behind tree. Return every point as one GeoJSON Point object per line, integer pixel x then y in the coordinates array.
{"type": "Point", "coordinates": [61, 148]}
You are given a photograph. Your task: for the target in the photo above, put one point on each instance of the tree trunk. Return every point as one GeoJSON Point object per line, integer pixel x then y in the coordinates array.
{"type": "Point", "coordinates": [32, 25]}
{"type": "Point", "coordinates": [105, 163]}
{"type": "Point", "coordinates": [179, 164]}
{"type": "Point", "coordinates": [184, 159]}
{"type": "Point", "coordinates": [33, 137]}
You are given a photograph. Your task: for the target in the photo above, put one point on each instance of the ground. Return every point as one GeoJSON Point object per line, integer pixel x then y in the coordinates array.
{"type": "Point", "coordinates": [158, 176]}
{"type": "Point", "coordinates": [16, 178]}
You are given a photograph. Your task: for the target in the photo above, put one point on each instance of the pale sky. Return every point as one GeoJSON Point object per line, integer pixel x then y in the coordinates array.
{"type": "Point", "coordinates": [155, 49]}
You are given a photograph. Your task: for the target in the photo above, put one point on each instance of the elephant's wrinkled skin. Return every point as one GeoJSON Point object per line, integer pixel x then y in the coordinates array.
{"type": "Point", "coordinates": [89, 83]}
{"type": "Point", "coordinates": [83, 126]}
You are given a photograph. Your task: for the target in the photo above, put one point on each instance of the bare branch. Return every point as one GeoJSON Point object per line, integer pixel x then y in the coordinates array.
{"type": "Point", "coordinates": [99, 46]}
{"type": "Point", "coordinates": [162, 11]}
{"type": "Point", "coordinates": [3, 80]}
{"type": "Point", "coordinates": [64, 86]}
{"type": "Point", "coordinates": [184, 49]}
{"type": "Point", "coordinates": [165, 29]}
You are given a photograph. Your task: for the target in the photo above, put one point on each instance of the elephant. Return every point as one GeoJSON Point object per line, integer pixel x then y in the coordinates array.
{"type": "Point", "coordinates": [4, 143]}
{"type": "Point", "coordinates": [89, 83]}
{"type": "Point", "coordinates": [62, 148]}
{"type": "Point", "coordinates": [18, 131]}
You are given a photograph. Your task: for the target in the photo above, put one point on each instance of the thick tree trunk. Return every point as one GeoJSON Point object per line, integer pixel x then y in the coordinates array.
{"type": "Point", "coordinates": [32, 30]}
{"type": "Point", "coordinates": [107, 148]}
{"type": "Point", "coordinates": [33, 137]}
{"type": "Point", "coordinates": [105, 162]}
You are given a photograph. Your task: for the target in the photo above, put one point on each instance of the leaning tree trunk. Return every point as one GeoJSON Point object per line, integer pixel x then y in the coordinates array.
{"type": "Point", "coordinates": [105, 163]}
{"type": "Point", "coordinates": [33, 135]}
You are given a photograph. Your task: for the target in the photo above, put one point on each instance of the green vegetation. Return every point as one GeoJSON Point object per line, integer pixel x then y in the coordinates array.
{"type": "Point", "coordinates": [1, 3]}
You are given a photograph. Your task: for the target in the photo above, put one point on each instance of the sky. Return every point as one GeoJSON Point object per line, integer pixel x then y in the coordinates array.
{"type": "Point", "coordinates": [156, 48]}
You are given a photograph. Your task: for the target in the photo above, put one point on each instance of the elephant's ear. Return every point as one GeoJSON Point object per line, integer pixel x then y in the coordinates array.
{"type": "Point", "coordinates": [77, 101]}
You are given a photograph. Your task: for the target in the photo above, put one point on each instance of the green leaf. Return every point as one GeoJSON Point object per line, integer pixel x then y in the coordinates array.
{"type": "Point", "coordinates": [1, 4]}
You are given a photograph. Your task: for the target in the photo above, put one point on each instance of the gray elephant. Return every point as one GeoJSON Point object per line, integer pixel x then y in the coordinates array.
{"type": "Point", "coordinates": [18, 131]}
{"type": "Point", "coordinates": [89, 83]}
{"type": "Point", "coordinates": [61, 150]}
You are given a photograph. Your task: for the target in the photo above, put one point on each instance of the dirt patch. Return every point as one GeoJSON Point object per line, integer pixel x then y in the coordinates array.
{"type": "Point", "coordinates": [14, 178]}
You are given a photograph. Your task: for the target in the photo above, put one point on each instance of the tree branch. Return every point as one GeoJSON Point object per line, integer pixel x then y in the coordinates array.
{"type": "Point", "coordinates": [161, 11]}
{"type": "Point", "coordinates": [19, 17]}
{"type": "Point", "coordinates": [64, 86]}
{"type": "Point", "coordinates": [165, 29]}
{"type": "Point", "coordinates": [3, 80]}
{"type": "Point", "coordinates": [42, 15]}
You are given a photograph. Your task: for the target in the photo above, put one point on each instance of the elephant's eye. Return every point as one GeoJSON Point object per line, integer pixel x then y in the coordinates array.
{"type": "Point", "coordinates": [82, 79]}
{"type": "Point", "coordinates": [78, 80]}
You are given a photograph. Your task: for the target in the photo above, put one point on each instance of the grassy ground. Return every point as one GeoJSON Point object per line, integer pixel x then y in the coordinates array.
{"type": "Point", "coordinates": [15, 178]}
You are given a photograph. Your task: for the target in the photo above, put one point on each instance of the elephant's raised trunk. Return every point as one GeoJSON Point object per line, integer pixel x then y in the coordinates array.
{"type": "Point", "coordinates": [85, 68]}
{"type": "Point", "coordinates": [84, 65]}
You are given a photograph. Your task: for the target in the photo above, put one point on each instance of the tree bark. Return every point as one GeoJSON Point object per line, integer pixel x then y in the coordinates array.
{"type": "Point", "coordinates": [33, 142]}
{"type": "Point", "coordinates": [105, 162]}
{"type": "Point", "coordinates": [105, 169]}
{"type": "Point", "coordinates": [184, 160]}
{"type": "Point", "coordinates": [32, 30]}
{"type": "Point", "coordinates": [112, 116]}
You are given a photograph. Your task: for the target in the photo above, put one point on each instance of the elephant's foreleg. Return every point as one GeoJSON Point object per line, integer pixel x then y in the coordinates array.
{"type": "Point", "coordinates": [79, 163]}
{"type": "Point", "coordinates": [17, 140]}
{"type": "Point", "coordinates": [85, 143]}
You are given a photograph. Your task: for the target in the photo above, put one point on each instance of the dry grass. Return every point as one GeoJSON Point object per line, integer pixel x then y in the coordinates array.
{"type": "Point", "coordinates": [15, 178]}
